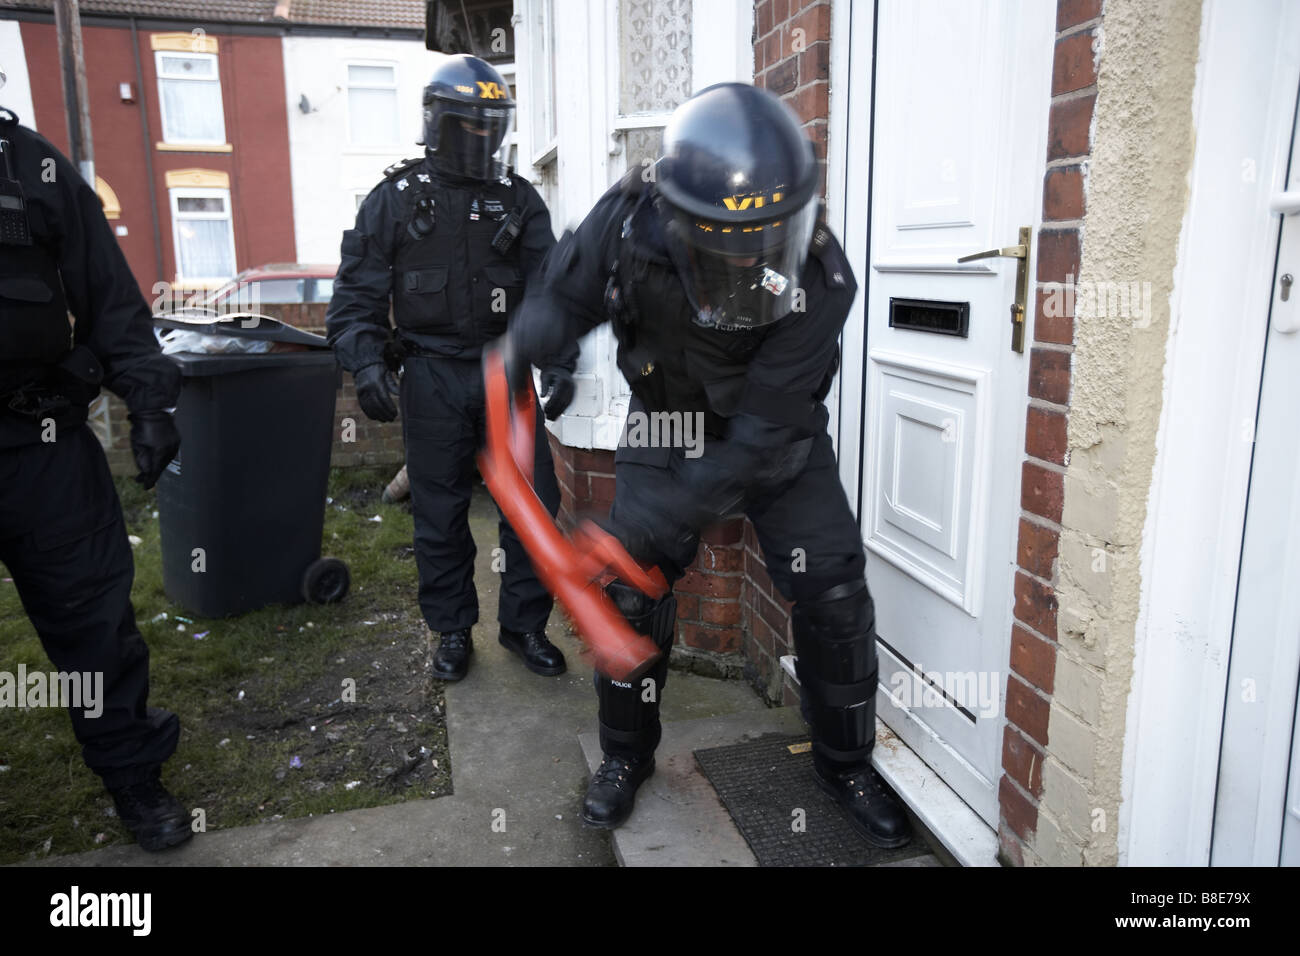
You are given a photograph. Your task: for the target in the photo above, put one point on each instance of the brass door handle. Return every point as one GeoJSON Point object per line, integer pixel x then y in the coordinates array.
{"type": "Point", "coordinates": [1006, 252]}
{"type": "Point", "coordinates": [1020, 253]}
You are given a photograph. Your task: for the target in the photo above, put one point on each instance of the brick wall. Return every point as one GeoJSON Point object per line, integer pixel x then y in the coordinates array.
{"type": "Point", "coordinates": [1034, 633]}
{"type": "Point", "coordinates": [792, 59]}
{"type": "Point", "coordinates": [373, 443]}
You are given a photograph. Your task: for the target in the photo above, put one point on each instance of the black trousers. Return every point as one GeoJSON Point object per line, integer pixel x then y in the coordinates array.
{"type": "Point", "coordinates": [810, 542]}
{"type": "Point", "coordinates": [64, 541]}
{"type": "Point", "coordinates": [443, 427]}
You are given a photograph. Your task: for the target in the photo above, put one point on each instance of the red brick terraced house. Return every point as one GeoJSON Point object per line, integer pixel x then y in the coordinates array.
{"type": "Point", "coordinates": [210, 158]}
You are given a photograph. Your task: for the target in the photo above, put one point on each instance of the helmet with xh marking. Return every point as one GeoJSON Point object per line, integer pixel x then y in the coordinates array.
{"type": "Point", "coordinates": [467, 111]}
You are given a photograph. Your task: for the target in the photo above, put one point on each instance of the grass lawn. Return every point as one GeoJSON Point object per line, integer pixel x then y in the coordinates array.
{"type": "Point", "coordinates": [266, 731]}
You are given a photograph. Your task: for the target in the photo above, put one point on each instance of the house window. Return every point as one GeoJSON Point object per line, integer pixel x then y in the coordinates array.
{"type": "Point", "coordinates": [189, 94]}
{"type": "Point", "coordinates": [543, 142]}
{"type": "Point", "coordinates": [205, 241]}
{"type": "Point", "coordinates": [372, 104]}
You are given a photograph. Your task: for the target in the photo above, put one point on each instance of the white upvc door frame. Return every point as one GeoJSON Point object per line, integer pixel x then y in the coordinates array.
{"type": "Point", "coordinates": [852, 73]}
{"type": "Point", "coordinates": [1243, 105]}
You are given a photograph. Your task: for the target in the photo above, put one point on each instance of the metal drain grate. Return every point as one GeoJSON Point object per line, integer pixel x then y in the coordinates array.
{"type": "Point", "coordinates": [767, 786]}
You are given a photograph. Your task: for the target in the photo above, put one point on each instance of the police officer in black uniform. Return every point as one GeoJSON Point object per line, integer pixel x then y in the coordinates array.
{"type": "Point", "coordinates": [452, 239]}
{"type": "Point", "coordinates": [62, 535]}
{"type": "Point", "coordinates": [720, 311]}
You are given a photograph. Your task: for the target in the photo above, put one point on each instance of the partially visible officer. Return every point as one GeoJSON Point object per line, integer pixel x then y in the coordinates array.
{"type": "Point", "coordinates": [727, 297]}
{"type": "Point", "coordinates": [62, 534]}
{"type": "Point", "coordinates": [452, 239]}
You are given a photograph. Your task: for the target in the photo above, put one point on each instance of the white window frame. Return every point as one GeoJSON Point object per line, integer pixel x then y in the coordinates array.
{"type": "Point", "coordinates": [349, 86]}
{"type": "Point", "coordinates": [177, 193]}
{"type": "Point", "coordinates": [544, 123]}
{"type": "Point", "coordinates": [508, 73]}
{"type": "Point", "coordinates": [162, 100]}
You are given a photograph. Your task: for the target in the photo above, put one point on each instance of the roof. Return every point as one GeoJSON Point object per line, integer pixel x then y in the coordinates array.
{"type": "Point", "coordinates": [399, 14]}
{"type": "Point", "coordinates": [390, 14]}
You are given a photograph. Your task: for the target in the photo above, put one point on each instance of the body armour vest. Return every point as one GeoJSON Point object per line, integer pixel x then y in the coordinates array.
{"type": "Point", "coordinates": [34, 327]}
{"type": "Point", "coordinates": [449, 280]}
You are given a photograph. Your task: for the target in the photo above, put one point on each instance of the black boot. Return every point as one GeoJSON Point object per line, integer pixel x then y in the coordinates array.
{"type": "Point", "coordinates": [611, 793]}
{"type": "Point", "coordinates": [868, 803]}
{"type": "Point", "coordinates": [452, 660]}
{"type": "Point", "coordinates": [155, 818]}
{"type": "Point", "coordinates": [539, 654]}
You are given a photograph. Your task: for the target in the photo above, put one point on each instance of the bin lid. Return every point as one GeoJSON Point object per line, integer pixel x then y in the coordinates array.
{"type": "Point", "coordinates": [244, 325]}
{"type": "Point", "coordinates": [194, 364]}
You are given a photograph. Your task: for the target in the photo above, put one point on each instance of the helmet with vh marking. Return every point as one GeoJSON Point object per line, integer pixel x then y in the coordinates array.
{"type": "Point", "coordinates": [737, 188]}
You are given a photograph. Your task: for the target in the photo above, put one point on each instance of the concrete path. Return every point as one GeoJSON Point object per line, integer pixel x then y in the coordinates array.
{"type": "Point", "coordinates": [518, 771]}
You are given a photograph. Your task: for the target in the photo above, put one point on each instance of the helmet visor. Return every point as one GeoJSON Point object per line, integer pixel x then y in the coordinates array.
{"type": "Point", "coordinates": [465, 138]}
{"type": "Point", "coordinates": [741, 276]}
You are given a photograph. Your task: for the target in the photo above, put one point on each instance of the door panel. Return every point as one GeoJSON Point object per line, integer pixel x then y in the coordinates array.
{"type": "Point", "coordinates": [961, 100]}
{"type": "Point", "coordinates": [931, 425]}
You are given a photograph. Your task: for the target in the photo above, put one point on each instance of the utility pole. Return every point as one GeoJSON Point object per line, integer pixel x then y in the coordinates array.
{"type": "Point", "coordinates": [72, 66]}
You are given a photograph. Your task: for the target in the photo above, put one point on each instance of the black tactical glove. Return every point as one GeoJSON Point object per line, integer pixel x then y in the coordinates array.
{"type": "Point", "coordinates": [557, 391]}
{"type": "Point", "coordinates": [518, 370]}
{"type": "Point", "coordinates": [374, 383]}
{"type": "Point", "coordinates": [649, 542]}
{"type": "Point", "coordinates": [154, 442]}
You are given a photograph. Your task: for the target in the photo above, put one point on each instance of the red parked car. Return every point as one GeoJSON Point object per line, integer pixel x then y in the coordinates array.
{"type": "Point", "coordinates": [274, 284]}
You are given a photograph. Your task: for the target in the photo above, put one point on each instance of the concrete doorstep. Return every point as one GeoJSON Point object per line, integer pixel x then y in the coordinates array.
{"type": "Point", "coordinates": [679, 819]}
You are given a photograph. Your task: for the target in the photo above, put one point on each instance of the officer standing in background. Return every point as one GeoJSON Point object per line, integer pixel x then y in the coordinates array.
{"type": "Point", "coordinates": [62, 534]}
{"type": "Point", "coordinates": [452, 239]}
{"type": "Point", "coordinates": [727, 296]}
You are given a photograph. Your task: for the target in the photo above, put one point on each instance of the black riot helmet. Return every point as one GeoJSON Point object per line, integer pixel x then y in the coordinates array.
{"type": "Point", "coordinates": [737, 194]}
{"type": "Point", "coordinates": [467, 109]}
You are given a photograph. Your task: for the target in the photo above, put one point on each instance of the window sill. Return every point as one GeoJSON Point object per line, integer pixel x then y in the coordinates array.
{"type": "Point", "coordinates": [194, 147]}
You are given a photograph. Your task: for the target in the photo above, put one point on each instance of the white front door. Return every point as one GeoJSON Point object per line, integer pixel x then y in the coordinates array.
{"type": "Point", "coordinates": [953, 165]}
{"type": "Point", "coordinates": [1257, 810]}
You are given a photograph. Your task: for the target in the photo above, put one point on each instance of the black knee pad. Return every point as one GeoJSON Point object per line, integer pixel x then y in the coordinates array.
{"type": "Point", "coordinates": [835, 640]}
{"type": "Point", "coordinates": [629, 710]}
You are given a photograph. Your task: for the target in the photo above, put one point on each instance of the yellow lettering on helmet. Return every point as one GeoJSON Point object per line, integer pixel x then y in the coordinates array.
{"type": "Point", "coordinates": [490, 90]}
{"type": "Point", "coordinates": [740, 203]}
{"type": "Point", "coordinates": [464, 89]}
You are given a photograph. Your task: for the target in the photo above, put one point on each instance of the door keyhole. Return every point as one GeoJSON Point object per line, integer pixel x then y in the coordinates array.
{"type": "Point", "coordinates": [1286, 281]}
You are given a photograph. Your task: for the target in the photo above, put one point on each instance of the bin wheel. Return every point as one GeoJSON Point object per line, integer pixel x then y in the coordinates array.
{"type": "Point", "coordinates": [325, 581]}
